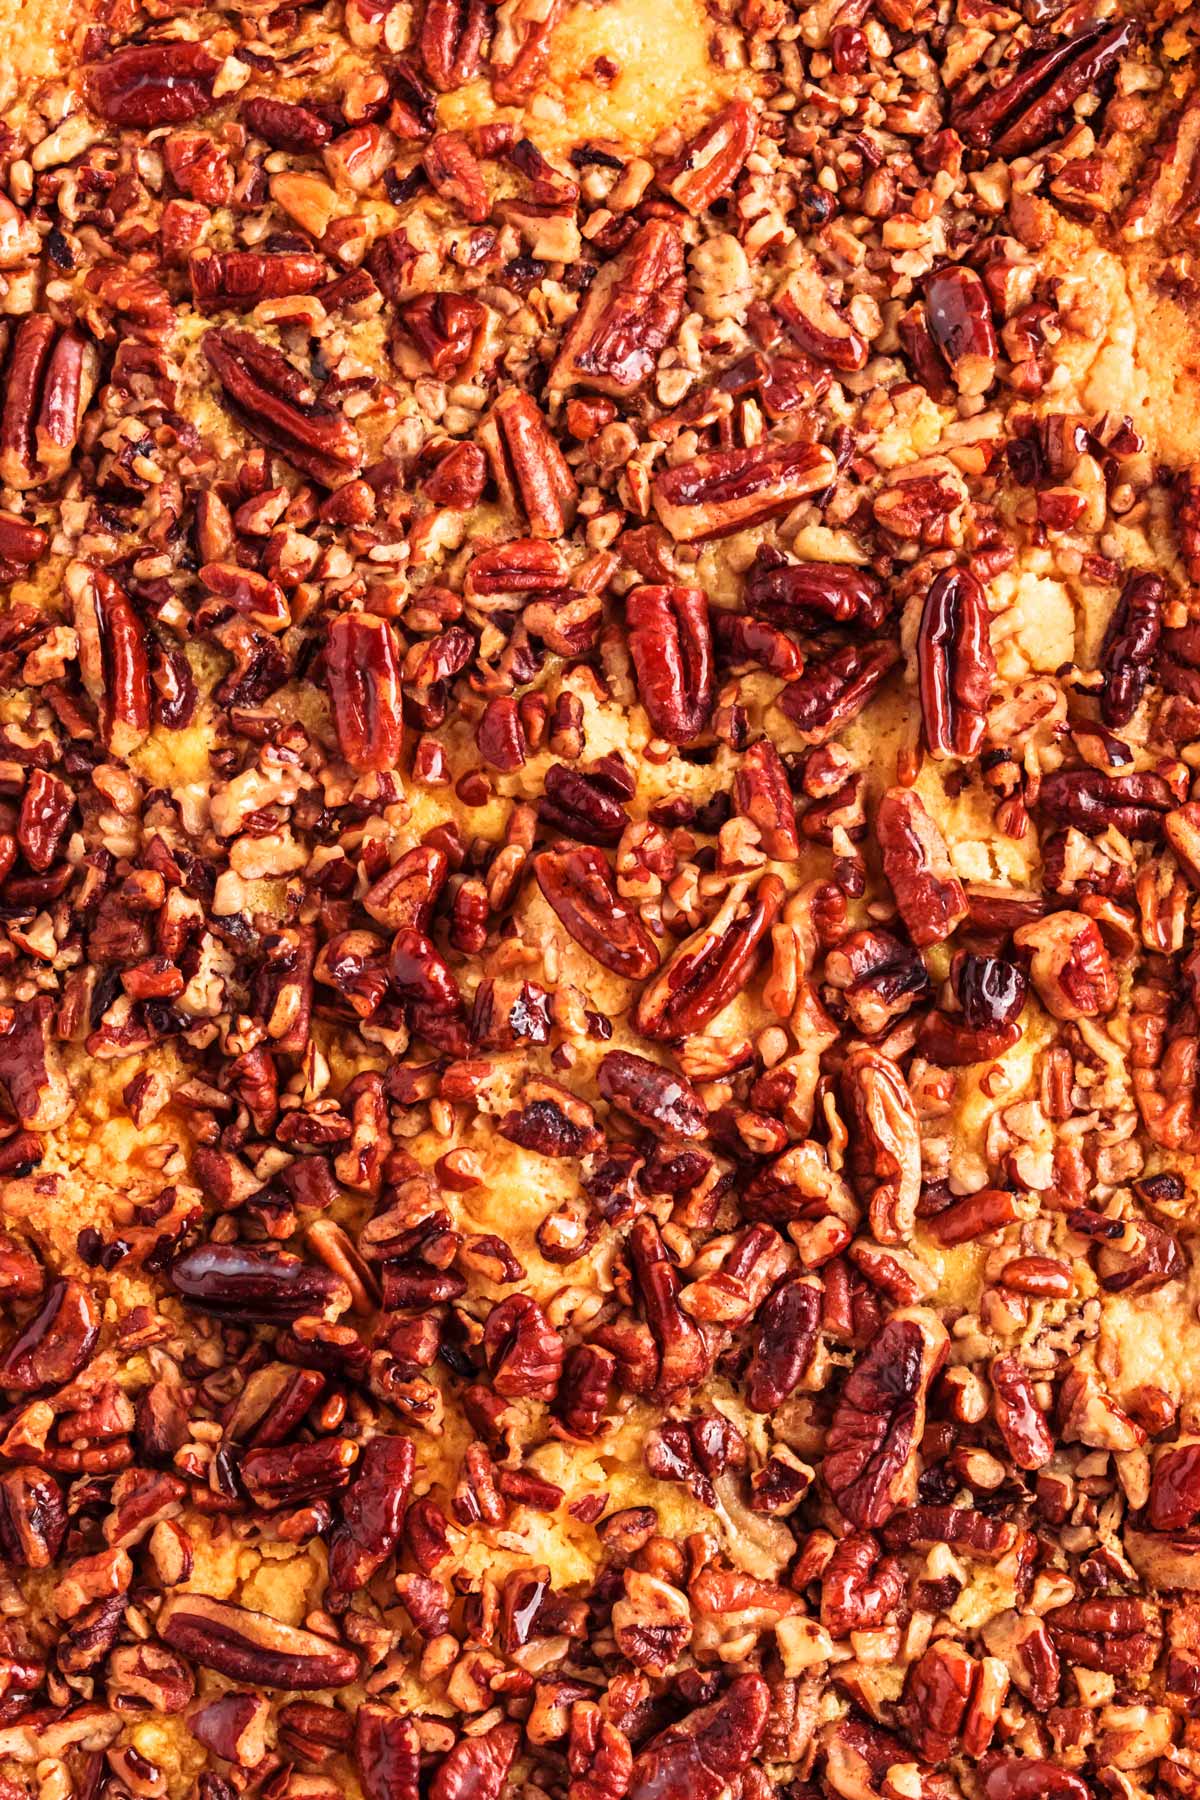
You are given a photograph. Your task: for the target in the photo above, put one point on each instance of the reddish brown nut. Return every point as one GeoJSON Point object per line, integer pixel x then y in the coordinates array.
{"type": "Point", "coordinates": [929, 896]}
{"type": "Point", "coordinates": [683, 1355]}
{"type": "Point", "coordinates": [886, 1143]}
{"type": "Point", "coordinates": [112, 655]}
{"type": "Point", "coordinates": [1175, 1487]}
{"type": "Point", "coordinates": [834, 689]}
{"type": "Point", "coordinates": [629, 314]}
{"type": "Point", "coordinates": [451, 41]}
{"type": "Point", "coordinates": [990, 1209]}
{"type": "Point", "coordinates": [456, 174]}
{"type": "Point", "coordinates": [955, 664]}
{"type": "Point", "coordinates": [527, 465]}
{"type": "Point", "coordinates": [700, 1757]}
{"type": "Point", "coordinates": [1135, 805]}
{"type": "Point", "coordinates": [762, 794]}
{"type": "Point", "coordinates": [477, 1766]}
{"type": "Point", "coordinates": [153, 84]}
{"type": "Point", "coordinates": [578, 885]}
{"type": "Point", "coordinates": [524, 1353]}
{"type": "Point", "coordinates": [804, 593]}
{"type": "Point", "coordinates": [860, 1588]}
{"type": "Point", "coordinates": [363, 667]}
{"type": "Point", "coordinates": [785, 1337]}
{"type": "Point", "coordinates": [1019, 1419]}
{"type": "Point", "coordinates": [1030, 1778]}
{"type": "Point", "coordinates": [449, 330]}
{"type": "Point", "coordinates": [285, 124]}
{"type": "Point", "coordinates": [959, 315]}
{"type": "Point", "coordinates": [1024, 112]}
{"type": "Point", "coordinates": [671, 645]}
{"type": "Point", "coordinates": [242, 1281]}
{"type": "Point", "coordinates": [710, 162]}
{"type": "Point", "coordinates": [729, 490]}
{"type": "Point", "coordinates": [1118, 1637]}
{"type": "Point", "coordinates": [1130, 647]}
{"type": "Point", "coordinates": [57, 1341]}
{"type": "Point", "coordinates": [818, 326]}
{"type": "Point", "coordinates": [238, 279]}
{"type": "Point", "coordinates": [33, 1517]}
{"type": "Point", "coordinates": [387, 1750]}
{"type": "Point", "coordinates": [1070, 968]}
{"type": "Point", "coordinates": [372, 1521]}
{"type": "Point", "coordinates": [250, 1647]}
{"type": "Point", "coordinates": [936, 1695]}
{"type": "Point", "coordinates": [713, 966]}
{"type": "Point", "coordinates": [281, 407]}
{"type": "Point", "coordinates": [652, 1094]}
{"type": "Point", "coordinates": [46, 808]}
{"type": "Point", "coordinates": [870, 1454]}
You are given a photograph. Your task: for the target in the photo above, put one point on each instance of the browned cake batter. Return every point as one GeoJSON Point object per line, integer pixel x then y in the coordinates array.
{"type": "Point", "coordinates": [599, 707]}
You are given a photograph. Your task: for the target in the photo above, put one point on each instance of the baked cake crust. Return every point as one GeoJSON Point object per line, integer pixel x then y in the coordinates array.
{"type": "Point", "coordinates": [600, 705]}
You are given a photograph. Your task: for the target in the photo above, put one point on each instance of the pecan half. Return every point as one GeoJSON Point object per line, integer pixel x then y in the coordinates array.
{"type": "Point", "coordinates": [112, 655]}
{"type": "Point", "coordinates": [241, 1281]}
{"type": "Point", "coordinates": [671, 644]}
{"type": "Point", "coordinates": [1019, 1419]}
{"type": "Point", "coordinates": [238, 279]}
{"type": "Point", "coordinates": [362, 664]}
{"type": "Point", "coordinates": [886, 1145]}
{"type": "Point", "coordinates": [762, 794]}
{"type": "Point", "coordinates": [955, 664]}
{"type": "Point", "coordinates": [818, 326]}
{"type": "Point", "coordinates": [528, 467]}
{"type": "Point", "coordinates": [281, 407]}
{"type": "Point", "coordinates": [871, 1451]}
{"type": "Point", "coordinates": [729, 490]}
{"type": "Point", "coordinates": [1070, 967]}
{"type": "Point", "coordinates": [252, 1647]}
{"type": "Point", "coordinates": [451, 41]}
{"type": "Point", "coordinates": [701, 1756]}
{"type": "Point", "coordinates": [804, 593]}
{"type": "Point", "coordinates": [713, 966]}
{"type": "Point", "coordinates": [578, 885]}
{"type": "Point", "coordinates": [834, 689]}
{"type": "Point", "coordinates": [57, 1341]}
{"type": "Point", "coordinates": [629, 314]}
{"type": "Point", "coordinates": [373, 1509]}
{"type": "Point", "coordinates": [929, 896]}
{"type": "Point", "coordinates": [651, 1094]}
{"type": "Point", "coordinates": [1130, 646]}
{"type": "Point", "coordinates": [959, 315]}
{"type": "Point", "coordinates": [1024, 112]}
{"type": "Point", "coordinates": [785, 1337]}
{"type": "Point", "coordinates": [710, 162]}
{"type": "Point", "coordinates": [153, 84]}
{"type": "Point", "coordinates": [51, 379]}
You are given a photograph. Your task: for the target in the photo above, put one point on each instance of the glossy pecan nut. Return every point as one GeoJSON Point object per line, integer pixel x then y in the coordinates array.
{"type": "Point", "coordinates": [834, 689]}
{"type": "Point", "coordinates": [959, 315]}
{"type": "Point", "coordinates": [729, 490]}
{"type": "Point", "coordinates": [112, 655]}
{"type": "Point", "coordinates": [1130, 647]}
{"type": "Point", "coordinates": [929, 896]}
{"type": "Point", "coordinates": [804, 593]}
{"type": "Point", "coordinates": [52, 376]}
{"type": "Point", "coordinates": [820, 328]}
{"type": "Point", "coordinates": [238, 279]}
{"type": "Point", "coordinates": [578, 885]}
{"type": "Point", "coordinates": [763, 795]}
{"type": "Point", "coordinates": [886, 1146]}
{"type": "Point", "coordinates": [1023, 113]}
{"type": "Point", "coordinates": [251, 1647]}
{"type": "Point", "coordinates": [629, 314]}
{"type": "Point", "coordinates": [281, 407]}
{"type": "Point", "coordinates": [713, 966]}
{"type": "Point", "coordinates": [670, 641]}
{"type": "Point", "coordinates": [363, 671]}
{"type": "Point", "coordinates": [527, 465]}
{"type": "Point", "coordinates": [955, 664]}
{"type": "Point", "coordinates": [712, 159]}
{"type": "Point", "coordinates": [153, 84]}
{"type": "Point", "coordinates": [871, 1451]}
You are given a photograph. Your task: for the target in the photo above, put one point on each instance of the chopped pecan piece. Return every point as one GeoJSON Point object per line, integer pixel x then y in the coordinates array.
{"type": "Point", "coordinates": [729, 490]}
{"type": "Point", "coordinates": [628, 315]}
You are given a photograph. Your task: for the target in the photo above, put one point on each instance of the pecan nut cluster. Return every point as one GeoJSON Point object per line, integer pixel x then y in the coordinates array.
{"type": "Point", "coordinates": [599, 901]}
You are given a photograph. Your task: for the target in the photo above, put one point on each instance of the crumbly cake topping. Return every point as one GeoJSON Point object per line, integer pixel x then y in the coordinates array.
{"type": "Point", "coordinates": [599, 706]}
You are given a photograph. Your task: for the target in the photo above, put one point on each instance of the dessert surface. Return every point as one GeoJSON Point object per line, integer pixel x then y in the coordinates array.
{"type": "Point", "coordinates": [599, 711]}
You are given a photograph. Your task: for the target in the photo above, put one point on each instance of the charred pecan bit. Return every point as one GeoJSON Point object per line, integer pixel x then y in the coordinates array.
{"type": "Point", "coordinates": [701, 1756]}
{"type": "Point", "coordinates": [711, 968]}
{"type": "Point", "coordinates": [1024, 112]}
{"type": "Point", "coordinates": [671, 645]}
{"type": "Point", "coordinates": [929, 896]}
{"type": "Point", "coordinates": [373, 1509]}
{"type": "Point", "coordinates": [870, 1454]}
{"type": "Point", "coordinates": [363, 667]}
{"type": "Point", "coordinates": [804, 593]}
{"type": "Point", "coordinates": [578, 885]}
{"type": "Point", "coordinates": [955, 664]}
{"type": "Point", "coordinates": [729, 490]}
{"type": "Point", "coordinates": [281, 407]}
{"type": "Point", "coordinates": [1130, 646]}
{"type": "Point", "coordinates": [528, 466]}
{"type": "Point", "coordinates": [652, 1095]}
{"type": "Point", "coordinates": [1135, 805]}
{"type": "Point", "coordinates": [835, 689]}
{"type": "Point", "coordinates": [112, 655]}
{"type": "Point", "coordinates": [959, 315]}
{"type": "Point", "coordinates": [628, 315]}
{"type": "Point", "coordinates": [886, 1146]}
{"type": "Point", "coordinates": [710, 162]}
{"type": "Point", "coordinates": [153, 84]}
{"type": "Point", "coordinates": [252, 1647]}
{"type": "Point", "coordinates": [785, 1338]}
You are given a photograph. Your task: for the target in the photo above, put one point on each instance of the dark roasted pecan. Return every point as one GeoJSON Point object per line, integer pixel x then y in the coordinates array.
{"type": "Point", "coordinates": [834, 689]}
{"type": "Point", "coordinates": [710, 162]}
{"type": "Point", "coordinates": [1070, 966]}
{"type": "Point", "coordinates": [372, 1520]}
{"type": "Point", "coordinates": [1088, 799]}
{"type": "Point", "coordinates": [785, 1337]}
{"type": "Point", "coordinates": [712, 967]}
{"type": "Point", "coordinates": [701, 1756]}
{"type": "Point", "coordinates": [628, 315]}
{"type": "Point", "coordinates": [804, 593]}
{"type": "Point", "coordinates": [1029, 1778]}
{"type": "Point", "coordinates": [955, 664]}
{"type": "Point", "coordinates": [1023, 113]}
{"type": "Point", "coordinates": [387, 1750]}
{"type": "Point", "coordinates": [578, 885]}
{"type": "Point", "coordinates": [1130, 646]}
{"type": "Point", "coordinates": [477, 1766]}
{"type": "Point", "coordinates": [671, 645]}
{"type": "Point", "coordinates": [1120, 1637]}
{"type": "Point", "coordinates": [153, 84]}
{"type": "Point", "coordinates": [281, 407]}
{"type": "Point", "coordinates": [654, 1096]}
{"type": "Point", "coordinates": [112, 655]}
{"type": "Point", "coordinates": [870, 1463]}
{"type": "Point", "coordinates": [363, 667]}
{"type": "Point", "coordinates": [451, 41]}
{"type": "Point", "coordinates": [729, 490]}
{"type": "Point", "coordinates": [936, 1693]}
{"type": "Point", "coordinates": [51, 378]}
{"type": "Point", "coordinates": [524, 1353]}
{"type": "Point", "coordinates": [683, 1356]}
{"type": "Point", "coordinates": [763, 795]}
{"type": "Point", "coordinates": [860, 1587]}
{"type": "Point", "coordinates": [251, 1647]}
{"type": "Point", "coordinates": [285, 124]}
{"type": "Point", "coordinates": [33, 1517]}
{"type": "Point", "coordinates": [929, 895]}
